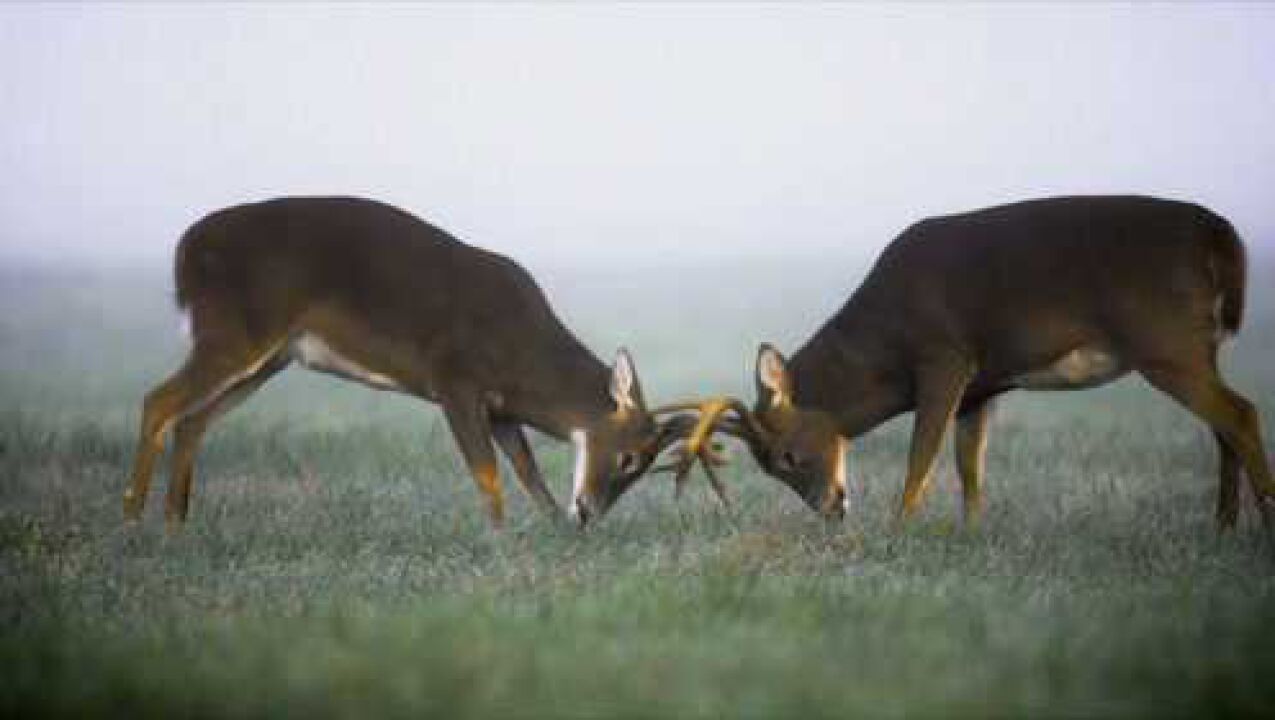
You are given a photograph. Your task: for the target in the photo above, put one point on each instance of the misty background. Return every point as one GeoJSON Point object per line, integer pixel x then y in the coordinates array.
{"type": "Point", "coordinates": [666, 170]}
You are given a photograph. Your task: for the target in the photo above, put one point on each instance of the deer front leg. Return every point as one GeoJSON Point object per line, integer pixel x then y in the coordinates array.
{"type": "Point", "coordinates": [1228, 489]}
{"type": "Point", "coordinates": [513, 442]}
{"type": "Point", "coordinates": [970, 445]}
{"type": "Point", "coordinates": [939, 387]}
{"type": "Point", "coordinates": [471, 427]}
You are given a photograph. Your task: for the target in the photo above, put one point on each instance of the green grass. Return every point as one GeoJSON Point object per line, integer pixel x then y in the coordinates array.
{"type": "Point", "coordinates": [337, 563]}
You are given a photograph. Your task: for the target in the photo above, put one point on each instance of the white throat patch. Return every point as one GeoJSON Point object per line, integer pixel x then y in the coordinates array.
{"type": "Point", "coordinates": [580, 441]}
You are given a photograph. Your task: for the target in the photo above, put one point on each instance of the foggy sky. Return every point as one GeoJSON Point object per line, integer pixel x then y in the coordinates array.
{"type": "Point", "coordinates": [623, 134]}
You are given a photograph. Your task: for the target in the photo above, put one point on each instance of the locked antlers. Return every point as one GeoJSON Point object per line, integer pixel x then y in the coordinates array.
{"type": "Point", "coordinates": [697, 445]}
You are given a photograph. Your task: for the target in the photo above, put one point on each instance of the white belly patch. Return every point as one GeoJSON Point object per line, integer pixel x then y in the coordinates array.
{"type": "Point", "coordinates": [311, 351]}
{"type": "Point", "coordinates": [1081, 368]}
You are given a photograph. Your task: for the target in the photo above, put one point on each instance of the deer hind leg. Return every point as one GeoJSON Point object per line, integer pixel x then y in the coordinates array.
{"type": "Point", "coordinates": [1228, 488]}
{"type": "Point", "coordinates": [208, 372]}
{"type": "Point", "coordinates": [938, 394]}
{"type": "Point", "coordinates": [158, 410]}
{"type": "Point", "coordinates": [189, 431]}
{"type": "Point", "coordinates": [513, 442]}
{"type": "Point", "coordinates": [1235, 423]}
{"type": "Point", "coordinates": [471, 427]}
{"type": "Point", "coordinates": [969, 441]}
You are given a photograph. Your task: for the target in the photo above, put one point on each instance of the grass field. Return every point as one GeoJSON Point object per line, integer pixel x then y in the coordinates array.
{"type": "Point", "coordinates": [337, 564]}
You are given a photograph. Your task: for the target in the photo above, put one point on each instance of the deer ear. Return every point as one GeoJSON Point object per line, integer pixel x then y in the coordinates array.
{"type": "Point", "coordinates": [774, 384]}
{"type": "Point", "coordinates": [624, 383]}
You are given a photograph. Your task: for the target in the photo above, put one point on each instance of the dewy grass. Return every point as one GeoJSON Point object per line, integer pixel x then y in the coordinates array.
{"type": "Point", "coordinates": [337, 563]}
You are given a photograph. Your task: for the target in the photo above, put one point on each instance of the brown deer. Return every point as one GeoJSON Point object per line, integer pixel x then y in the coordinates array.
{"type": "Point", "coordinates": [370, 293]}
{"type": "Point", "coordinates": [1054, 294]}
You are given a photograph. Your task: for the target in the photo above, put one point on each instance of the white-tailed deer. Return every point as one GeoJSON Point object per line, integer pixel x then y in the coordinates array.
{"type": "Point", "coordinates": [1053, 294]}
{"type": "Point", "coordinates": [370, 293]}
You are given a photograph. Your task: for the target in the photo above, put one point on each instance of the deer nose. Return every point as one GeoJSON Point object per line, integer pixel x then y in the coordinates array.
{"type": "Point", "coordinates": [838, 504]}
{"type": "Point", "coordinates": [580, 512]}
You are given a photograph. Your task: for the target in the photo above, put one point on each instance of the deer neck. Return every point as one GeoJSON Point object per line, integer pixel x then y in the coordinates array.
{"type": "Point", "coordinates": [570, 392]}
{"type": "Point", "coordinates": [849, 368]}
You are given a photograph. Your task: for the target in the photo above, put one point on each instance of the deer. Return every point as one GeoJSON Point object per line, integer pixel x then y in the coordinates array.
{"type": "Point", "coordinates": [369, 293]}
{"type": "Point", "coordinates": [1051, 294]}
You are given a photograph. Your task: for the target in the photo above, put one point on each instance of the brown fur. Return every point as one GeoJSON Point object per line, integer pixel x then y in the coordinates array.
{"type": "Point", "coordinates": [407, 304]}
{"type": "Point", "coordinates": [960, 309]}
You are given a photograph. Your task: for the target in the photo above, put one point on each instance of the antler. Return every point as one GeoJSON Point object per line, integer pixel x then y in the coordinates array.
{"type": "Point", "coordinates": [696, 446]}
{"type": "Point", "coordinates": [745, 425]}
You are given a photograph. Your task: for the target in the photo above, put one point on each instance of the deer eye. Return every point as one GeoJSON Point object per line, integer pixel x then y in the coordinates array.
{"type": "Point", "coordinates": [626, 462]}
{"type": "Point", "coordinates": [787, 461]}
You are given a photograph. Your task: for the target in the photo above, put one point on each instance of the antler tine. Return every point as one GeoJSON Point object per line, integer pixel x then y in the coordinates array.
{"type": "Point", "coordinates": [713, 404]}
{"type": "Point", "coordinates": [714, 454]}
{"type": "Point", "coordinates": [680, 406]}
{"type": "Point", "coordinates": [748, 421]}
{"type": "Point", "coordinates": [710, 412]}
{"type": "Point", "coordinates": [683, 469]}
{"type": "Point", "coordinates": [696, 446]}
{"type": "Point", "coordinates": [716, 483]}
{"type": "Point", "coordinates": [732, 427]}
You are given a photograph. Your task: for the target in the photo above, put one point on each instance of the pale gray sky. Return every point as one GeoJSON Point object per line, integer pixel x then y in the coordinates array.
{"type": "Point", "coordinates": [628, 132]}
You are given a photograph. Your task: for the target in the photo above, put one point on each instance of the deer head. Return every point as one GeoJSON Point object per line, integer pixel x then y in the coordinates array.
{"type": "Point", "coordinates": [801, 447]}
{"type": "Point", "coordinates": [616, 448]}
